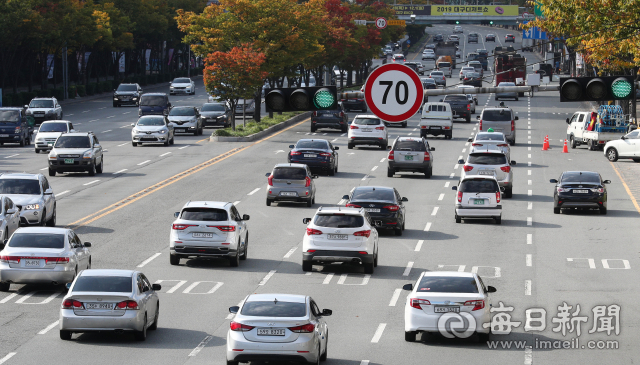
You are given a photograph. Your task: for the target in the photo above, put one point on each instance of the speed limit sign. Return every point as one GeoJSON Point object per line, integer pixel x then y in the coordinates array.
{"type": "Point", "coordinates": [381, 23]}
{"type": "Point", "coordinates": [394, 92]}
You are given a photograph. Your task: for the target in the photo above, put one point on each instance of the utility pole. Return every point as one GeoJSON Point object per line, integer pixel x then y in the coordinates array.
{"type": "Point", "coordinates": [189, 61]}
{"type": "Point", "coordinates": [65, 73]}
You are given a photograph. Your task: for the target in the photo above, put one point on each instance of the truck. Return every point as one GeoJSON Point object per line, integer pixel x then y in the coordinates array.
{"type": "Point", "coordinates": [446, 49]}
{"type": "Point", "coordinates": [509, 67]}
{"type": "Point", "coordinates": [15, 126]}
{"type": "Point", "coordinates": [460, 106]}
{"type": "Point", "coordinates": [595, 129]}
{"type": "Point", "coordinates": [436, 120]}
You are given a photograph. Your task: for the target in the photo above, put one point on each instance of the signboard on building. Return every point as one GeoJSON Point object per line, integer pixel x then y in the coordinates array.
{"type": "Point", "coordinates": [412, 9]}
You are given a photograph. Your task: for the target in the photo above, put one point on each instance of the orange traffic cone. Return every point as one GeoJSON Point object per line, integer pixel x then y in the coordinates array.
{"type": "Point", "coordinates": [565, 149]}
{"type": "Point", "coordinates": [545, 144]}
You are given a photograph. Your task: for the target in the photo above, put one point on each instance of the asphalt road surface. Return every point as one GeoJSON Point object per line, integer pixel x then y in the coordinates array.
{"type": "Point", "coordinates": [535, 259]}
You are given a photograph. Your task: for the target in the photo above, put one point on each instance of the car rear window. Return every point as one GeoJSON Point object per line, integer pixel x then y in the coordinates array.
{"type": "Point", "coordinates": [489, 137]}
{"type": "Point", "coordinates": [444, 64]}
{"type": "Point", "coordinates": [152, 100]}
{"type": "Point", "coordinates": [487, 159]}
{"type": "Point", "coordinates": [455, 97]}
{"type": "Point", "coordinates": [589, 177]}
{"type": "Point", "coordinates": [366, 121]}
{"type": "Point", "coordinates": [274, 309]}
{"type": "Point", "coordinates": [444, 284]}
{"type": "Point", "coordinates": [318, 145]}
{"type": "Point", "coordinates": [410, 146]}
{"type": "Point", "coordinates": [428, 81]}
{"type": "Point", "coordinates": [37, 240]}
{"type": "Point", "coordinates": [496, 115]}
{"type": "Point", "coordinates": [437, 73]}
{"type": "Point", "coordinates": [289, 173]}
{"type": "Point", "coordinates": [373, 194]}
{"type": "Point", "coordinates": [339, 221]}
{"type": "Point", "coordinates": [19, 186]}
{"type": "Point", "coordinates": [108, 284]}
{"type": "Point", "coordinates": [478, 186]}
{"type": "Point", "coordinates": [204, 214]}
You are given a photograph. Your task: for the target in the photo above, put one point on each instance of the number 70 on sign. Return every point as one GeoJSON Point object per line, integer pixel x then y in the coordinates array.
{"type": "Point", "coordinates": [394, 92]}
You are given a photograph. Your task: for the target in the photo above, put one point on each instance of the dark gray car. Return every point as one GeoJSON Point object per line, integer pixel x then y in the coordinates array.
{"type": "Point", "coordinates": [291, 182]}
{"type": "Point", "coordinates": [215, 114]}
{"type": "Point", "coordinates": [335, 119]}
{"type": "Point", "coordinates": [410, 154]}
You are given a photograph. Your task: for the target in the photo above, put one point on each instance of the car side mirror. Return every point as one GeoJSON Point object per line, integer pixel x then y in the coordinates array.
{"type": "Point", "coordinates": [87, 244]}
{"type": "Point", "coordinates": [345, 197]}
{"type": "Point", "coordinates": [513, 163]}
{"type": "Point", "coordinates": [454, 188]}
{"type": "Point", "coordinates": [26, 106]}
{"type": "Point", "coordinates": [405, 199]}
{"type": "Point", "coordinates": [67, 285]}
{"type": "Point", "coordinates": [389, 148]}
{"type": "Point", "coordinates": [234, 309]}
{"type": "Point", "coordinates": [460, 161]}
{"type": "Point", "coordinates": [245, 217]}
{"type": "Point", "coordinates": [568, 121]}
{"type": "Point", "coordinates": [156, 287]}
{"type": "Point", "coordinates": [516, 118]}
{"type": "Point", "coordinates": [441, 100]}
{"type": "Point", "coordinates": [553, 181]}
{"type": "Point", "coordinates": [327, 312]}
{"type": "Point", "coordinates": [432, 148]}
{"type": "Point", "coordinates": [407, 287]}
{"type": "Point", "coordinates": [477, 117]}
{"type": "Point", "coordinates": [623, 137]}
{"type": "Point", "coordinates": [133, 124]}
{"type": "Point", "coordinates": [336, 148]}
{"type": "Point", "coordinates": [176, 214]}
{"type": "Point", "coordinates": [11, 211]}
{"type": "Point", "coordinates": [291, 146]}
{"type": "Point", "coordinates": [470, 139]}
{"type": "Point", "coordinates": [491, 289]}
{"type": "Point", "coordinates": [607, 182]}
{"type": "Point", "coordinates": [306, 220]}
{"type": "Point", "coordinates": [267, 174]}
{"type": "Point", "coordinates": [48, 191]}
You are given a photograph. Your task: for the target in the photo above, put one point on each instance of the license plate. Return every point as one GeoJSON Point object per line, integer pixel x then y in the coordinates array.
{"type": "Point", "coordinates": [4, 135]}
{"type": "Point", "coordinates": [30, 263]}
{"type": "Point", "coordinates": [270, 332]}
{"type": "Point", "coordinates": [478, 201]}
{"type": "Point", "coordinates": [581, 191]}
{"type": "Point", "coordinates": [337, 236]}
{"type": "Point", "coordinates": [367, 129]}
{"type": "Point", "coordinates": [372, 210]}
{"type": "Point", "coordinates": [408, 158]}
{"type": "Point", "coordinates": [485, 173]}
{"type": "Point", "coordinates": [287, 193]}
{"type": "Point", "coordinates": [446, 309]}
{"type": "Point", "coordinates": [435, 127]}
{"type": "Point", "coordinates": [201, 235]}
{"type": "Point", "coordinates": [180, 130]}
{"type": "Point", "coordinates": [309, 155]}
{"type": "Point", "coordinates": [107, 306]}
{"type": "Point", "coordinates": [68, 160]}
{"type": "Point", "coordinates": [327, 115]}
{"type": "Point", "coordinates": [49, 143]}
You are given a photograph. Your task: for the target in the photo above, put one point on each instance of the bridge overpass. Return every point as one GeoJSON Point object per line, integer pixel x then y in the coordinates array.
{"type": "Point", "coordinates": [462, 14]}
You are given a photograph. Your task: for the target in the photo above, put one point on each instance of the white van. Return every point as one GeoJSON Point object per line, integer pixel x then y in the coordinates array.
{"type": "Point", "coordinates": [436, 119]}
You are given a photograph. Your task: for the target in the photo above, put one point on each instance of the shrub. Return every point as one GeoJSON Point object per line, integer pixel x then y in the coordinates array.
{"type": "Point", "coordinates": [58, 93]}
{"type": "Point", "coordinates": [82, 91]}
{"type": "Point", "coordinates": [90, 89]}
{"type": "Point", "coordinates": [26, 97]}
{"type": "Point", "coordinates": [107, 86]}
{"type": "Point", "coordinates": [72, 91]}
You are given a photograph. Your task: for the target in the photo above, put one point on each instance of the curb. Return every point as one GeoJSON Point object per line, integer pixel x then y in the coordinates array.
{"type": "Point", "coordinates": [263, 133]}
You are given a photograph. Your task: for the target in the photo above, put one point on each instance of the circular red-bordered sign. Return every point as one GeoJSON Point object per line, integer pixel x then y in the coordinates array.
{"type": "Point", "coordinates": [381, 23]}
{"type": "Point", "coordinates": [394, 92]}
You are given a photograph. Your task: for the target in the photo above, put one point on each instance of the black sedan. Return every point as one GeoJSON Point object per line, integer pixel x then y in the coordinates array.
{"type": "Point", "coordinates": [438, 38]}
{"type": "Point", "coordinates": [490, 37]}
{"type": "Point", "coordinates": [127, 94]}
{"type": "Point", "coordinates": [580, 190]}
{"type": "Point", "coordinates": [473, 79]}
{"type": "Point", "coordinates": [215, 114]}
{"type": "Point", "coordinates": [335, 119]}
{"type": "Point", "coordinates": [318, 154]}
{"type": "Point", "coordinates": [510, 38]}
{"type": "Point", "coordinates": [384, 205]}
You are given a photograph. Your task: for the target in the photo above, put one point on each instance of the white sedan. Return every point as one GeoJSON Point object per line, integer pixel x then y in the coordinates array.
{"type": "Point", "coordinates": [627, 147]}
{"type": "Point", "coordinates": [428, 54]}
{"type": "Point", "coordinates": [488, 140]}
{"type": "Point", "coordinates": [182, 85]}
{"type": "Point", "coordinates": [438, 295]}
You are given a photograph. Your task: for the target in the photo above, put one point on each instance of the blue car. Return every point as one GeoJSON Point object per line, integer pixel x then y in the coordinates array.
{"type": "Point", "coordinates": [154, 104]}
{"type": "Point", "coordinates": [318, 154]}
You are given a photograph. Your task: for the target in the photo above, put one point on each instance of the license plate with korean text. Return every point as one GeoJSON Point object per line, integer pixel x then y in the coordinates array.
{"type": "Point", "coordinates": [288, 193]}
{"type": "Point", "coordinates": [446, 309]}
{"type": "Point", "coordinates": [408, 158]}
{"type": "Point", "coordinates": [372, 210]}
{"type": "Point", "coordinates": [337, 236]}
{"type": "Point", "coordinates": [104, 306]}
{"type": "Point", "coordinates": [581, 191]}
{"type": "Point", "coordinates": [478, 201]}
{"type": "Point", "coordinates": [367, 129]}
{"type": "Point", "coordinates": [31, 263]}
{"type": "Point", "coordinates": [201, 235]}
{"type": "Point", "coordinates": [309, 155]}
{"type": "Point", "coordinates": [485, 172]}
{"type": "Point", "coordinates": [270, 332]}
{"type": "Point", "coordinates": [68, 160]}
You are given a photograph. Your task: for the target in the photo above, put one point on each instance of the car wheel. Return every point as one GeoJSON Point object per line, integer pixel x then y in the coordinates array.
{"type": "Point", "coordinates": [410, 336]}
{"type": "Point", "coordinates": [496, 98]}
{"type": "Point", "coordinates": [166, 143]}
{"type": "Point", "coordinates": [174, 259]}
{"type": "Point", "coordinates": [603, 211]}
{"type": "Point", "coordinates": [172, 140]}
{"type": "Point", "coordinates": [404, 124]}
{"type": "Point", "coordinates": [142, 335]}
{"type": "Point", "coordinates": [134, 144]}
{"type": "Point", "coordinates": [508, 192]}
{"type": "Point", "coordinates": [498, 220]}
{"type": "Point", "coordinates": [556, 210]}
{"type": "Point", "coordinates": [310, 202]}
{"type": "Point", "coordinates": [512, 143]}
{"type": "Point", "coordinates": [375, 259]}
{"type": "Point", "coordinates": [517, 98]}
{"type": "Point", "coordinates": [52, 221]}
{"type": "Point", "coordinates": [269, 201]}
{"type": "Point", "coordinates": [313, 129]}
{"type": "Point", "coordinates": [306, 265]}
{"type": "Point", "coordinates": [469, 119]}
{"type": "Point", "coordinates": [92, 169]}
{"type": "Point", "coordinates": [115, 105]}
{"type": "Point", "coordinates": [99, 168]}
{"type": "Point", "coordinates": [384, 146]}
{"type": "Point", "coordinates": [364, 110]}
{"type": "Point", "coordinates": [245, 252]}
{"type": "Point", "coordinates": [350, 146]}
{"type": "Point", "coordinates": [428, 172]}
{"type": "Point", "coordinates": [234, 261]}
{"type": "Point", "coordinates": [572, 142]}
{"type": "Point", "coordinates": [52, 172]}
{"type": "Point", "coordinates": [4, 286]}
{"type": "Point", "coordinates": [612, 154]}
{"type": "Point", "coordinates": [331, 171]}
{"type": "Point", "coordinates": [326, 348]}
{"type": "Point", "coordinates": [195, 133]}
{"type": "Point", "coordinates": [65, 335]}
{"type": "Point", "coordinates": [230, 362]}
{"type": "Point", "coordinates": [37, 150]}
{"type": "Point", "coordinates": [458, 219]}
{"type": "Point", "coordinates": [398, 231]}
{"type": "Point", "coordinates": [390, 172]}
{"type": "Point", "coordinates": [368, 268]}
{"type": "Point", "coordinates": [636, 160]}
{"type": "Point", "coordinates": [22, 141]}
{"type": "Point", "coordinates": [154, 326]}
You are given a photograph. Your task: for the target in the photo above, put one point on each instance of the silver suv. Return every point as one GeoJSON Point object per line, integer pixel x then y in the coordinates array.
{"type": "Point", "coordinates": [185, 119]}
{"type": "Point", "coordinates": [42, 109]}
{"type": "Point", "coordinates": [491, 162]}
{"type": "Point", "coordinates": [76, 152]}
{"type": "Point", "coordinates": [410, 154]}
{"type": "Point", "coordinates": [500, 119]}
{"type": "Point", "coordinates": [479, 196]}
{"type": "Point", "coordinates": [33, 197]}
{"type": "Point", "coordinates": [291, 182]}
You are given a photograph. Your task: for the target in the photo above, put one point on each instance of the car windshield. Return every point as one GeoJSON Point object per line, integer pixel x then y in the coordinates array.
{"type": "Point", "coordinates": [151, 121]}
{"type": "Point", "coordinates": [339, 220]}
{"type": "Point", "coordinates": [455, 98]}
{"type": "Point", "coordinates": [274, 308]}
{"type": "Point", "coordinates": [181, 81]}
{"type": "Point", "coordinates": [9, 116]}
{"type": "Point", "coordinates": [490, 137]}
{"type": "Point", "coordinates": [37, 240]}
{"type": "Point", "coordinates": [438, 73]}
{"type": "Point", "coordinates": [289, 173]}
{"type": "Point", "coordinates": [204, 214]}
{"type": "Point", "coordinates": [478, 186]}
{"type": "Point", "coordinates": [152, 100]}
{"type": "Point", "coordinates": [444, 284]}
{"type": "Point", "coordinates": [496, 115]}
{"type": "Point", "coordinates": [73, 142]}
{"type": "Point", "coordinates": [407, 145]}
{"type": "Point", "coordinates": [41, 104]}
{"type": "Point", "coordinates": [105, 284]}
{"type": "Point", "coordinates": [53, 127]}
{"type": "Point", "coordinates": [487, 159]}
{"type": "Point", "coordinates": [366, 121]}
{"type": "Point", "coordinates": [213, 107]}
{"type": "Point", "coordinates": [373, 194]}
{"type": "Point", "coordinates": [576, 176]}
{"type": "Point", "coordinates": [20, 186]}
{"type": "Point", "coordinates": [318, 145]}
{"type": "Point", "coordinates": [182, 112]}
{"type": "Point", "coordinates": [127, 88]}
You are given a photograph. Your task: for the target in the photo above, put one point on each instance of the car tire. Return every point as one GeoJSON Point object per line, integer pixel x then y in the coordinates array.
{"type": "Point", "coordinates": [326, 348]}
{"type": "Point", "coordinates": [556, 210]}
{"type": "Point", "coordinates": [99, 167]}
{"type": "Point", "coordinates": [92, 169]}
{"type": "Point", "coordinates": [344, 129]}
{"type": "Point", "coordinates": [603, 211]}
{"type": "Point", "coordinates": [364, 110]}
{"type": "Point", "coordinates": [172, 140]}
{"type": "Point", "coordinates": [23, 141]}
{"type": "Point", "coordinates": [468, 119]}
{"type": "Point", "coordinates": [636, 160]}
{"type": "Point", "coordinates": [37, 150]}
{"type": "Point", "coordinates": [498, 220]}
{"type": "Point", "coordinates": [313, 129]}
{"type": "Point", "coordinates": [52, 172]}
{"type": "Point", "coordinates": [166, 143]}
{"type": "Point", "coordinates": [134, 144]}
{"type": "Point", "coordinates": [154, 326]}
{"type": "Point", "coordinates": [115, 105]}
{"type": "Point", "coordinates": [307, 265]}
{"type": "Point", "coordinates": [517, 98]}
{"type": "Point", "coordinates": [410, 336]}
{"type": "Point", "coordinates": [65, 335]}
{"type": "Point", "coordinates": [245, 252]}
{"type": "Point", "coordinates": [310, 202]}
{"type": "Point", "coordinates": [4, 286]}
{"type": "Point", "coordinates": [230, 362]}
{"type": "Point", "coordinates": [404, 124]}
{"type": "Point", "coordinates": [375, 259]}
{"type": "Point", "coordinates": [512, 143]}
{"type": "Point", "coordinates": [368, 268]}
{"type": "Point", "coordinates": [174, 259]}
{"type": "Point", "coordinates": [234, 261]}
{"type": "Point", "coordinates": [612, 154]}
{"type": "Point", "coordinates": [508, 193]}
{"type": "Point", "coordinates": [428, 172]}
{"type": "Point", "coordinates": [390, 172]}
{"type": "Point", "coordinates": [52, 221]}
{"type": "Point", "coordinates": [458, 219]}
{"type": "Point", "coordinates": [398, 231]}
{"type": "Point", "coordinates": [384, 146]}
{"type": "Point", "coordinates": [331, 171]}
{"type": "Point", "coordinates": [572, 142]}
{"type": "Point", "coordinates": [349, 146]}
{"type": "Point", "coordinates": [142, 335]}
{"type": "Point", "coordinates": [195, 133]}
{"type": "Point", "coordinates": [269, 201]}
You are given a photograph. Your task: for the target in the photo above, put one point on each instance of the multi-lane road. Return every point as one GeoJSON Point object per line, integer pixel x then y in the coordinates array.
{"type": "Point", "coordinates": [535, 259]}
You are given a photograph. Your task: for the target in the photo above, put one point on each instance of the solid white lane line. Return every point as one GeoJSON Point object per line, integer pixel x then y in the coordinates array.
{"type": "Point", "coordinates": [49, 327]}
{"type": "Point", "coordinates": [343, 134]}
{"type": "Point", "coordinates": [11, 354]}
{"type": "Point", "coordinates": [62, 193]}
{"type": "Point", "coordinates": [446, 185]}
{"type": "Point", "coordinates": [120, 145]}
{"type": "Point", "coordinates": [254, 191]}
{"type": "Point", "coordinates": [529, 205]}
{"type": "Point", "coordinates": [528, 259]}
{"type": "Point", "coordinates": [86, 111]}
{"type": "Point", "coordinates": [327, 280]}
{"type": "Point", "coordinates": [419, 245]}
{"type": "Point", "coordinates": [529, 239]}
{"type": "Point", "coordinates": [236, 202]}
{"type": "Point", "coordinates": [527, 287]}
{"type": "Point", "coordinates": [8, 298]}
{"type": "Point", "coordinates": [164, 154]}
{"type": "Point", "coordinates": [144, 162]}
{"type": "Point", "coordinates": [374, 168]}
{"type": "Point", "coordinates": [143, 263]}
{"type": "Point", "coordinates": [44, 169]}
{"type": "Point", "coordinates": [91, 182]}
{"type": "Point", "coordinates": [12, 155]}
{"type": "Point", "coordinates": [528, 356]}
{"type": "Point", "coordinates": [267, 277]}
{"type": "Point", "coordinates": [407, 270]}
{"type": "Point", "coordinates": [119, 172]}
{"type": "Point", "coordinates": [378, 334]}
{"type": "Point", "coordinates": [201, 345]}
{"type": "Point", "coordinates": [459, 157]}
{"type": "Point", "coordinates": [291, 251]}
{"type": "Point", "coordinates": [365, 177]}
{"type": "Point", "coordinates": [427, 227]}
{"type": "Point", "coordinates": [435, 210]}
{"type": "Point", "coordinates": [394, 297]}
{"type": "Point", "coordinates": [108, 130]}
{"type": "Point", "coordinates": [181, 148]}
{"type": "Point", "coordinates": [383, 160]}
{"type": "Point", "coordinates": [529, 221]}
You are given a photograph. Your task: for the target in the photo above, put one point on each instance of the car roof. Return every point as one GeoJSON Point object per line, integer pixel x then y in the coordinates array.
{"type": "Point", "coordinates": [206, 204]}
{"type": "Point", "coordinates": [312, 139]}
{"type": "Point", "coordinates": [583, 172]}
{"type": "Point", "coordinates": [43, 98]}
{"type": "Point", "coordinates": [476, 177]}
{"type": "Point", "coordinates": [107, 272]}
{"type": "Point", "coordinates": [55, 121]}
{"type": "Point", "coordinates": [127, 83]}
{"type": "Point", "coordinates": [341, 210]}
{"type": "Point", "coordinates": [154, 94]}
{"type": "Point", "coordinates": [298, 165]}
{"type": "Point", "coordinates": [295, 298]}
{"type": "Point", "coordinates": [410, 139]}
{"type": "Point", "coordinates": [86, 134]}
{"type": "Point", "coordinates": [459, 274]}
{"type": "Point", "coordinates": [372, 187]}
{"type": "Point", "coordinates": [366, 116]}
{"type": "Point", "coordinates": [496, 108]}
{"type": "Point", "coordinates": [489, 149]}
{"type": "Point", "coordinates": [49, 230]}
{"type": "Point", "coordinates": [20, 175]}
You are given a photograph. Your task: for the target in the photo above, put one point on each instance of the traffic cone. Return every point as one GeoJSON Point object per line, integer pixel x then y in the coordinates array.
{"type": "Point", "coordinates": [545, 144]}
{"type": "Point", "coordinates": [565, 149]}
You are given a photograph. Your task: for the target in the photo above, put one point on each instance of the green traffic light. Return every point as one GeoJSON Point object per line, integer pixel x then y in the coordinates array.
{"type": "Point", "coordinates": [491, 22]}
{"type": "Point", "coordinates": [323, 99]}
{"type": "Point", "coordinates": [457, 22]}
{"type": "Point", "coordinates": [621, 88]}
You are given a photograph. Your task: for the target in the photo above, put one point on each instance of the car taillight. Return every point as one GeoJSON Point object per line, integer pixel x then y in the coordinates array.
{"type": "Point", "coordinates": [56, 260]}
{"type": "Point", "coordinates": [315, 114]}
{"type": "Point", "coordinates": [427, 157]}
{"type": "Point", "coordinates": [505, 168]}
{"type": "Point", "coordinates": [390, 156]}
{"type": "Point", "coordinates": [466, 79]}
{"type": "Point", "coordinates": [416, 303]}
{"type": "Point", "coordinates": [468, 106]}
{"type": "Point", "coordinates": [71, 304]}
{"type": "Point", "coordinates": [305, 328]}
{"type": "Point", "coordinates": [353, 206]}
{"type": "Point", "coordinates": [235, 326]}
{"type": "Point", "coordinates": [325, 154]}
{"type": "Point", "coordinates": [503, 145]}
{"type": "Point", "coordinates": [307, 182]}
{"type": "Point", "coordinates": [363, 233]}
{"type": "Point", "coordinates": [225, 228]}
{"type": "Point", "coordinates": [342, 114]}
{"type": "Point", "coordinates": [480, 125]}
{"type": "Point", "coordinates": [459, 197]}
{"type": "Point", "coordinates": [393, 208]}
{"type": "Point", "coordinates": [380, 128]}
{"type": "Point", "coordinates": [10, 259]}
{"type": "Point", "coordinates": [311, 231]}
{"type": "Point", "coordinates": [270, 180]}
{"type": "Point", "coordinates": [181, 227]}
{"type": "Point", "coordinates": [498, 196]}
{"type": "Point", "coordinates": [353, 127]}
{"type": "Point", "coordinates": [513, 125]}
{"type": "Point", "coordinates": [477, 304]}
{"type": "Point", "coordinates": [295, 153]}
{"type": "Point", "coordinates": [477, 144]}
{"type": "Point", "coordinates": [467, 168]}
{"type": "Point", "coordinates": [562, 190]}
{"type": "Point", "coordinates": [127, 304]}
{"type": "Point", "coordinates": [597, 190]}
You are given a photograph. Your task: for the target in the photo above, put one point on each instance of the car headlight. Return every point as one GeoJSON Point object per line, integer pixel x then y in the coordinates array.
{"type": "Point", "coordinates": [162, 131]}
{"type": "Point", "coordinates": [87, 154]}
{"type": "Point", "coordinates": [170, 87]}
{"type": "Point", "coordinates": [50, 112]}
{"type": "Point", "coordinates": [115, 98]}
{"type": "Point", "coordinates": [134, 131]}
{"type": "Point", "coordinates": [135, 98]}
{"type": "Point", "coordinates": [32, 207]}
{"type": "Point", "coordinates": [39, 140]}
{"type": "Point", "coordinates": [52, 155]}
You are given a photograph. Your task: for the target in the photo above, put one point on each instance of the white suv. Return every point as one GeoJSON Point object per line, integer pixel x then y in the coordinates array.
{"type": "Point", "coordinates": [340, 235]}
{"type": "Point", "coordinates": [478, 196]}
{"type": "Point", "coordinates": [368, 130]}
{"type": "Point", "coordinates": [209, 229]}
{"type": "Point", "coordinates": [490, 162]}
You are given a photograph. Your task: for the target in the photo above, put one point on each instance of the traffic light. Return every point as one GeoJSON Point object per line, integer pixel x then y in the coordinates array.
{"type": "Point", "coordinates": [597, 88]}
{"type": "Point", "coordinates": [491, 22]}
{"type": "Point", "coordinates": [457, 22]}
{"type": "Point", "coordinates": [301, 99]}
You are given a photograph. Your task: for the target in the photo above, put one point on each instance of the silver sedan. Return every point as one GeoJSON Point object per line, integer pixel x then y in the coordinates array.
{"type": "Point", "coordinates": [42, 255]}
{"type": "Point", "coordinates": [110, 300]}
{"type": "Point", "coordinates": [9, 218]}
{"type": "Point", "coordinates": [152, 129]}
